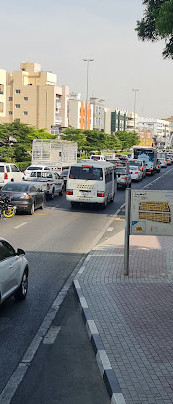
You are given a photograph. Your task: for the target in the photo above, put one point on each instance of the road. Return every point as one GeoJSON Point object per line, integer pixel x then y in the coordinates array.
{"type": "Point", "coordinates": [55, 240]}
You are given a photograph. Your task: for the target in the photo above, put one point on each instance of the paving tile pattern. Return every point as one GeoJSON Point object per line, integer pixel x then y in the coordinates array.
{"type": "Point", "coordinates": [134, 317]}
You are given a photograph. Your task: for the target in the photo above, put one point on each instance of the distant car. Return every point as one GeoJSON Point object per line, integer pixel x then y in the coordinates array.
{"type": "Point", "coordinates": [25, 196]}
{"type": "Point", "coordinates": [31, 168]}
{"type": "Point", "coordinates": [168, 160]}
{"type": "Point", "coordinates": [140, 163]}
{"type": "Point", "coordinates": [13, 272]}
{"type": "Point", "coordinates": [158, 166]}
{"type": "Point", "coordinates": [136, 173]}
{"type": "Point", "coordinates": [123, 177]}
{"type": "Point", "coordinates": [163, 162]}
{"type": "Point", "coordinates": [9, 172]}
{"type": "Point", "coordinates": [64, 175]}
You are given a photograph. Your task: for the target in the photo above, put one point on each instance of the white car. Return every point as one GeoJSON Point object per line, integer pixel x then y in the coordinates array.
{"type": "Point", "coordinates": [13, 272]}
{"type": "Point", "coordinates": [140, 163]}
{"type": "Point", "coordinates": [136, 173]}
{"type": "Point", "coordinates": [31, 168]}
{"type": "Point", "coordinates": [9, 172]}
{"type": "Point", "coordinates": [48, 181]}
{"type": "Point", "coordinates": [163, 162]}
{"type": "Point", "coordinates": [123, 177]}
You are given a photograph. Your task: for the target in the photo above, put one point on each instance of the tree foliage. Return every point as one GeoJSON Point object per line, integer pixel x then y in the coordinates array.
{"type": "Point", "coordinates": [16, 140]}
{"type": "Point", "coordinates": [157, 23]}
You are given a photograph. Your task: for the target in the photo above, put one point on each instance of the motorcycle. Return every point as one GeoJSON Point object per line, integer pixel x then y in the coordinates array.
{"type": "Point", "coordinates": [6, 209]}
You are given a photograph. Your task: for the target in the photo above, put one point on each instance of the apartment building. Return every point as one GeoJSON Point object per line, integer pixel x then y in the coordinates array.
{"type": "Point", "coordinates": [115, 120]}
{"type": "Point", "coordinates": [78, 111]}
{"type": "Point", "coordinates": [98, 113]}
{"type": "Point", "coordinates": [31, 96]}
{"type": "Point", "coordinates": [161, 130]}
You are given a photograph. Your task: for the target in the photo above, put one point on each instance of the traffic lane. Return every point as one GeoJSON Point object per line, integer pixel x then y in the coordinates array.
{"type": "Point", "coordinates": [65, 371]}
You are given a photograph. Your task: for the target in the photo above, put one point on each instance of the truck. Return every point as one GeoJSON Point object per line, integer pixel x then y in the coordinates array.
{"type": "Point", "coordinates": [49, 182]}
{"type": "Point", "coordinates": [148, 155]}
{"type": "Point", "coordinates": [56, 154]}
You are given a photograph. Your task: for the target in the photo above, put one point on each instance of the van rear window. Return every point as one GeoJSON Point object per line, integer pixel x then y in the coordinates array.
{"type": "Point", "coordinates": [86, 173]}
{"type": "Point", "coordinates": [1, 169]}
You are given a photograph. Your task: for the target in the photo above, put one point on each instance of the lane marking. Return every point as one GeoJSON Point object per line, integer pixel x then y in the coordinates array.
{"type": "Point", "coordinates": [20, 225]}
{"type": "Point", "coordinates": [110, 228]}
{"type": "Point", "coordinates": [51, 335]}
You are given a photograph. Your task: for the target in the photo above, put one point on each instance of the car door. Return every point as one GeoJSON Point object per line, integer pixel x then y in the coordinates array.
{"type": "Point", "coordinates": [9, 269]}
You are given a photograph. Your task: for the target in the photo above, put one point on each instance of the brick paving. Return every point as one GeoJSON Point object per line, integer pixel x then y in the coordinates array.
{"type": "Point", "coordinates": [134, 315]}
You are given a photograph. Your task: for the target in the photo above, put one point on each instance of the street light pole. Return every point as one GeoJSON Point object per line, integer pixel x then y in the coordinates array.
{"type": "Point", "coordinates": [135, 91]}
{"type": "Point", "coordinates": [87, 60]}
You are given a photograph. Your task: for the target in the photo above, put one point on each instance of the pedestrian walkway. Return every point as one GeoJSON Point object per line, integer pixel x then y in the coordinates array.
{"type": "Point", "coordinates": [134, 315]}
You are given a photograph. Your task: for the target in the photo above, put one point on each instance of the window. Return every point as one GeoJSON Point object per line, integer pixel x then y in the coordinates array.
{"type": "Point", "coordinates": [2, 169]}
{"type": "Point", "coordinates": [1, 107]}
{"type": "Point", "coordinates": [33, 189]}
{"type": "Point", "coordinates": [17, 91]}
{"type": "Point", "coordinates": [86, 173]}
{"type": "Point", "coordinates": [17, 120]}
{"type": "Point", "coordinates": [14, 168]}
{"type": "Point", "coordinates": [108, 177]}
{"type": "Point", "coordinates": [10, 112]}
{"type": "Point", "coordinates": [17, 105]}
{"type": "Point", "coordinates": [25, 113]}
{"type": "Point", "coordinates": [8, 169]}
{"type": "Point", "coordinates": [6, 250]}
{"type": "Point", "coordinates": [1, 88]}
{"type": "Point", "coordinates": [10, 98]}
{"type": "Point", "coordinates": [25, 98]}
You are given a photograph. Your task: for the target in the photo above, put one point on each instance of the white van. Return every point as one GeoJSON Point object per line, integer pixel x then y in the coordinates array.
{"type": "Point", "coordinates": [9, 172]}
{"type": "Point", "coordinates": [91, 182]}
{"type": "Point", "coordinates": [97, 157]}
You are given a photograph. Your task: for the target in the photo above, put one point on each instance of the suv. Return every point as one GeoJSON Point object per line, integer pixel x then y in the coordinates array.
{"type": "Point", "coordinates": [9, 172]}
{"type": "Point", "coordinates": [138, 163]}
{"type": "Point", "coordinates": [31, 168]}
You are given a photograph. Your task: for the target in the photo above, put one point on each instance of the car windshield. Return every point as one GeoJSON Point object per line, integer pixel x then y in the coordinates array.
{"type": "Point", "coordinates": [64, 173]}
{"type": "Point", "coordinates": [120, 170]}
{"type": "Point", "coordinates": [32, 168]}
{"type": "Point", "coordinates": [135, 163]}
{"type": "Point", "coordinates": [86, 173]}
{"type": "Point", "coordinates": [144, 155]}
{"type": "Point", "coordinates": [12, 187]}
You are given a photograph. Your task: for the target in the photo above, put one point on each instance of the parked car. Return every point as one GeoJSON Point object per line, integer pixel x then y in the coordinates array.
{"type": "Point", "coordinates": [25, 196]}
{"type": "Point", "coordinates": [13, 272]}
{"type": "Point", "coordinates": [49, 182]}
{"type": "Point", "coordinates": [9, 172]}
{"type": "Point", "coordinates": [168, 160]}
{"type": "Point", "coordinates": [136, 173]}
{"type": "Point", "coordinates": [163, 162]}
{"type": "Point", "coordinates": [31, 168]}
{"type": "Point", "coordinates": [64, 175]}
{"type": "Point", "coordinates": [158, 166]}
{"type": "Point", "coordinates": [123, 177]}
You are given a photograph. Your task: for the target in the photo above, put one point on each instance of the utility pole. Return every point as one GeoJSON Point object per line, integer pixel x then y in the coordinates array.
{"type": "Point", "coordinates": [87, 60]}
{"type": "Point", "coordinates": [135, 91]}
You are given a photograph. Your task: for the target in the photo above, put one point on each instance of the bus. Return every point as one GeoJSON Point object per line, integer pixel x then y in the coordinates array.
{"type": "Point", "coordinates": [91, 182]}
{"type": "Point", "coordinates": [148, 155]}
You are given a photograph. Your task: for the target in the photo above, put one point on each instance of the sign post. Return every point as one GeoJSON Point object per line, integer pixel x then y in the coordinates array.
{"type": "Point", "coordinates": [127, 231]}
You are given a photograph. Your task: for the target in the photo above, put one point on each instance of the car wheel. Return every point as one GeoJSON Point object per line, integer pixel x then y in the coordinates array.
{"type": "Point", "coordinates": [43, 204]}
{"type": "Point", "coordinates": [112, 199]}
{"type": "Point", "coordinates": [105, 204]}
{"type": "Point", "coordinates": [32, 209]}
{"type": "Point", "coordinates": [52, 194]}
{"type": "Point", "coordinates": [21, 292]}
{"type": "Point", "coordinates": [61, 192]}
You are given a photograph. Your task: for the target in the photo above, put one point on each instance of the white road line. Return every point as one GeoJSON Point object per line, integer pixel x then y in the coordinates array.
{"type": "Point", "coordinates": [51, 335]}
{"type": "Point", "coordinates": [110, 228]}
{"type": "Point", "coordinates": [20, 225]}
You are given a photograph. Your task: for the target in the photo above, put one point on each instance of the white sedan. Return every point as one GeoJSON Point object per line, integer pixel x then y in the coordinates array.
{"type": "Point", "coordinates": [163, 162]}
{"type": "Point", "coordinates": [13, 272]}
{"type": "Point", "coordinates": [136, 173]}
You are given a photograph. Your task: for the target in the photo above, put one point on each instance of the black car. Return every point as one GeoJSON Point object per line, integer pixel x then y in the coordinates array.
{"type": "Point", "coordinates": [25, 196]}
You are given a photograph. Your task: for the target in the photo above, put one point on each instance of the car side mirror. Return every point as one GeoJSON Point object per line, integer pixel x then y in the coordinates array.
{"type": "Point", "coordinates": [20, 251]}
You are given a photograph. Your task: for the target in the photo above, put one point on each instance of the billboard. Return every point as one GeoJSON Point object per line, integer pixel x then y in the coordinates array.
{"type": "Point", "coordinates": [151, 213]}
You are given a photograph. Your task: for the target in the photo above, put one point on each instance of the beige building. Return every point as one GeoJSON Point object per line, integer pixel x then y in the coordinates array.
{"type": "Point", "coordinates": [32, 96]}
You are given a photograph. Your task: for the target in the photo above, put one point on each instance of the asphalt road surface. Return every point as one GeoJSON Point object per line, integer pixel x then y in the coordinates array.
{"type": "Point", "coordinates": [54, 240]}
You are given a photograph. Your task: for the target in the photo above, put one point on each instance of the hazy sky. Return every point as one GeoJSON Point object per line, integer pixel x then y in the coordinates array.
{"type": "Point", "coordinates": [59, 33]}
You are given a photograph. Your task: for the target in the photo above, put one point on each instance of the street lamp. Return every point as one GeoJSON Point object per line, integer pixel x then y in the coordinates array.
{"type": "Point", "coordinates": [87, 60]}
{"type": "Point", "coordinates": [135, 91]}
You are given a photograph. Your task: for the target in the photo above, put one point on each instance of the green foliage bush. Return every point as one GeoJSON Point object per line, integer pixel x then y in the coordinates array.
{"type": "Point", "coordinates": [22, 165]}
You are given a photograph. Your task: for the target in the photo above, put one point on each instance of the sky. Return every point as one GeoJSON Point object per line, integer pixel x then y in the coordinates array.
{"type": "Point", "coordinates": [58, 34]}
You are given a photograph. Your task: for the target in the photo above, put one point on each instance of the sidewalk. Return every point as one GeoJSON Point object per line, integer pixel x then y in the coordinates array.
{"type": "Point", "coordinates": [132, 315]}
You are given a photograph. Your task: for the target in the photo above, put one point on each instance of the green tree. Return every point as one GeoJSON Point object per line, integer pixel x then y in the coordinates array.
{"type": "Point", "coordinates": [128, 139]}
{"type": "Point", "coordinates": [157, 23]}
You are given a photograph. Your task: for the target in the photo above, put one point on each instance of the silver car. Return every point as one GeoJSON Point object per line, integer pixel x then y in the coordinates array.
{"type": "Point", "coordinates": [13, 272]}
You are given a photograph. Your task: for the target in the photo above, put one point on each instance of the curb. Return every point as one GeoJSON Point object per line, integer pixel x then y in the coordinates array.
{"type": "Point", "coordinates": [107, 373]}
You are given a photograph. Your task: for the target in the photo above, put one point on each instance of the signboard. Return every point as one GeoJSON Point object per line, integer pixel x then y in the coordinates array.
{"type": "Point", "coordinates": [151, 213]}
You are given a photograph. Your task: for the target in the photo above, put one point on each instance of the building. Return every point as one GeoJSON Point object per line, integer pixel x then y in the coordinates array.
{"type": "Point", "coordinates": [115, 120]}
{"type": "Point", "coordinates": [98, 114]}
{"type": "Point", "coordinates": [78, 110]}
{"type": "Point", "coordinates": [161, 130]}
{"type": "Point", "coordinates": [32, 97]}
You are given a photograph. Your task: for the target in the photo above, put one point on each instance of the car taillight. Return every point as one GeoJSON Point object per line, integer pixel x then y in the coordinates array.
{"type": "Point", "coordinates": [5, 176]}
{"type": "Point", "coordinates": [142, 169]}
{"type": "Point", "coordinates": [136, 172]}
{"type": "Point", "coordinates": [48, 185]}
{"type": "Point", "coordinates": [125, 178]}
{"type": "Point", "coordinates": [149, 170]}
{"type": "Point", "coordinates": [69, 192]}
{"type": "Point", "coordinates": [26, 197]}
{"type": "Point", "coordinates": [100, 194]}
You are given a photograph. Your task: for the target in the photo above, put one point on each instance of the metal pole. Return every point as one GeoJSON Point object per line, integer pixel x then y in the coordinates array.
{"type": "Point", "coordinates": [127, 231]}
{"type": "Point", "coordinates": [135, 91]}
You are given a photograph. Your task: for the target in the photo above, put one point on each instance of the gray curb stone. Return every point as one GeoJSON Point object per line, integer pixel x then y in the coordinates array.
{"type": "Point", "coordinates": [107, 373]}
